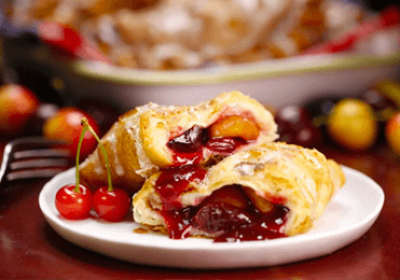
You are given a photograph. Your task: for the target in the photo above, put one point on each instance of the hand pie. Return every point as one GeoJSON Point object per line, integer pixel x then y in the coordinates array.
{"type": "Point", "coordinates": [153, 137]}
{"type": "Point", "coordinates": [269, 191]}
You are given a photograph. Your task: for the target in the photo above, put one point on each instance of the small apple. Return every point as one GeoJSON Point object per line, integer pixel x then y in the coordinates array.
{"type": "Point", "coordinates": [17, 105]}
{"type": "Point", "coordinates": [392, 133]}
{"type": "Point", "coordinates": [66, 125]}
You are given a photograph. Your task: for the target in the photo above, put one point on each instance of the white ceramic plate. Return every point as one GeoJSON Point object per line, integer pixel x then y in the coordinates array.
{"type": "Point", "coordinates": [349, 215]}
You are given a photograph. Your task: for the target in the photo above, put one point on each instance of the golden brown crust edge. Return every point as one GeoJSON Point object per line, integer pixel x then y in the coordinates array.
{"type": "Point", "coordinates": [123, 161]}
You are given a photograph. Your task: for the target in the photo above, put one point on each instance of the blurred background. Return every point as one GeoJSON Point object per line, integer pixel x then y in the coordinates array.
{"type": "Point", "coordinates": [380, 5]}
{"type": "Point", "coordinates": [334, 63]}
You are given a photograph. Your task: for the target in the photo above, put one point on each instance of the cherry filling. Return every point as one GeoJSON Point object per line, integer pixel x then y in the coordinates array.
{"type": "Point", "coordinates": [227, 215]}
{"type": "Point", "coordinates": [225, 146]}
{"type": "Point", "coordinates": [173, 181]}
{"type": "Point", "coordinates": [188, 147]}
{"type": "Point", "coordinates": [264, 226]}
{"type": "Point", "coordinates": [190, 141]}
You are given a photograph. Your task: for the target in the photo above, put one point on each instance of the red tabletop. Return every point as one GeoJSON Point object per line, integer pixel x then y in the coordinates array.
{"type": "Point", "coordinates": [31, 249]}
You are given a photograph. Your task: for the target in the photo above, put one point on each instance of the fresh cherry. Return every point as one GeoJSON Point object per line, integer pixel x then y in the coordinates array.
{"type": "Point", "coordinates": [384, 108]}
{"type": "Point", "coordinates": [74, 201]}
{"type": "Point", "coordinates": [65, 124]}
{"type": "Point", "coordinates": [17, 105]}
{"type": "Point", "coordinates": [111, 204]}
{"type": "Point", "coordinates": [392, 133]}
{"type": "Point", "coordinates": [295, 126]}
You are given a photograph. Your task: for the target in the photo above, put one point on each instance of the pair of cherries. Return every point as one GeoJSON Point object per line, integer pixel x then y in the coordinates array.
{"type": "Point", "coordinates": [75, 201]}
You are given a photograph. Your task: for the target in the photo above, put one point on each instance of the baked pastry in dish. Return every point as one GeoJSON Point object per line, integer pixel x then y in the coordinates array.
{"type": "Point", "coordinates": [176, 34]}
{"type": "Point", "coordinates": [269, 191]}
{"type": "Point", "coordinates": [154, 137]}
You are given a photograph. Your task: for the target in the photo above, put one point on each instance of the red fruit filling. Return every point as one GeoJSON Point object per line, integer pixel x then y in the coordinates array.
{"type": "Point", "coordinates": [188, 146]}
{"type": "Point", "coordinates": [173, 181]}
{"type": "Point", "coordinates": [227, 214]}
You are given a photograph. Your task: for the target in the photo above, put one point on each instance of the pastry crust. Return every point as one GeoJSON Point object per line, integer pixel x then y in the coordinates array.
{"type": "Point", "coordinates": [300, 179]}
{"type": "Point", "coordinates": [137, 143]}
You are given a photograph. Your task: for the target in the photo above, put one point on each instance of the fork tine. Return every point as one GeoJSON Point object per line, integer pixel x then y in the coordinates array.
{"type": "Point", "coordinates": [42, 173]}
{"type": "Point", "coordinates": [34, 143]}
{"type": "Point", "coordinates": [4, 163]}
{"type": "Point", "coordinates": [33, 157]}
{"type": "Point", "coordinates": [41, 153]}
{"type": "Point", "coordinates": [37, 163]}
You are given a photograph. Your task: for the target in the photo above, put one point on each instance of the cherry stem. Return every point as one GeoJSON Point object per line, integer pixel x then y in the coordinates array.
{"type": "Point", "coordinates": [78, 152]}
{"type": "Point", "coordinates": [86, 125]}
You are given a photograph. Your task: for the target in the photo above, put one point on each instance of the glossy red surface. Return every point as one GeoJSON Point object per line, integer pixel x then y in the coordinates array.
{"type": "Point", "coordinates": [173, 181]}
{"type": "Point", "coordinates": [188, 147]}
{"type": "Point", "coordinates": [227, 214]}
{"type": "Point", "coordinates": [31, 249]}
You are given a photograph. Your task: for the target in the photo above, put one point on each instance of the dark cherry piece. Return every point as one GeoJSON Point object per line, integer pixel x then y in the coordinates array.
{"type": "Point", "coordinates": [191, 141]}
{"type": "Point", "coordinates": [221, 217]}
{"type": "Point", "coordinates": [188, 147]}
{"type": "Point", "coordinates": [225, 146]}
{"type": "Point", "coordinates": [267, 227]}
{"type": "Point", "coordinates": [230, 222]}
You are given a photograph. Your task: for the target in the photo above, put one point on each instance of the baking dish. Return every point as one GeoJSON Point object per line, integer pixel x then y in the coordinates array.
{"type": "Point", "coordinates": [58, 77]}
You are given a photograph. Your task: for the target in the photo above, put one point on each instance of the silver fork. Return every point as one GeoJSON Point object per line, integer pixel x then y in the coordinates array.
{"type": "Point", "coordinates": [33, 157]}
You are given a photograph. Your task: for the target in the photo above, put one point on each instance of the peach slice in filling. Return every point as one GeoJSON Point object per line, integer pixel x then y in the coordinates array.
{"type": "Point", "coordinates": [228, 214]}
{"type": "Point", "coordinates": [223, 138]}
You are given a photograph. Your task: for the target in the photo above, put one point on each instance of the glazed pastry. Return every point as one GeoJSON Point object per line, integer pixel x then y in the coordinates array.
{"type": "Point", "coordinates": [269, 191]}
{"type": "Point", "coordinates": [153, 137]}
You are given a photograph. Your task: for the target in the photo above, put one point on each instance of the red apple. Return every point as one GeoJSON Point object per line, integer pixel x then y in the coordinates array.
{"type": "Point", "coordinates": [392, 133]}
{"type": "Point", "coordinates": [66, 125]}
{"type": "Point", "coordinates": [17, 105]}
